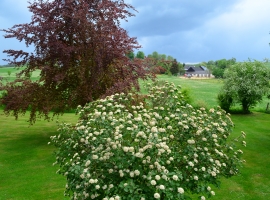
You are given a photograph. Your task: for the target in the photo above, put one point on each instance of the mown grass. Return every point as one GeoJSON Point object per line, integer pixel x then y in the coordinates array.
{"type": "Point", "coordinates": [26, 170]}
{"type": "Point", "coordinates": [10, 73]}
{"type": "Point", "coordinates": [26, 160]}
{"type": "Point", "coordinates": [254, 180]}
{"type": "Point", "coordinates": [204, 92]}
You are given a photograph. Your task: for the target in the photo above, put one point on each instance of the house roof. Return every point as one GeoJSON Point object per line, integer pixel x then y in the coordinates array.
{"type": "Point", "coordinates": [190, 68]}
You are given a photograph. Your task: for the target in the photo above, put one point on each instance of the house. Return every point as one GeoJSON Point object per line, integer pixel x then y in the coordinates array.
{"type": "Point", "coordinates": [196, 71]}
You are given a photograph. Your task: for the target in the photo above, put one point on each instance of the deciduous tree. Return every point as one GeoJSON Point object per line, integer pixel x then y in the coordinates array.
{"type": "Point", "coordinates": [174, 69]}
{"type": "Point", "coordinates": [80, 50]}
{"type": "Point", "coordinates": [140, 55]}
{"type": "Point", "coordinates": [246, 83]}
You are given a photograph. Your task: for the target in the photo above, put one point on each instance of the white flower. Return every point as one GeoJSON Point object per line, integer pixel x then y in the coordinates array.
{"type": "Point", "coordinates": [191, 164]}
{"type": "Point", "coordinates": [162, 130]}
{"type": "Point", "coordinates": [95, 157]}
{"type": "Point", "coordinates": [82, 176]}
{"type": "Point", "coordinates": [157, 195]}
{"type": "Point", "coordinates": [162, 187]}
{"type": "Point", "coordinates": [154, 129]}
{"type": "Point", "coordinates": [87, 163]}
{"type": "Point", "coordinates": [91, 181]}
{"type": "Point", "coordinates": [175, 177]}
{"type": "Point", "coordinates": [196, 178]}
{"type": "Point", "coordinates": [213, 173]}
{"type": "Point", "coordinates": [180, 190]}
{"type": "Point", "coordinates": [202, 198]}
{"type": "Point", "coordinates": [153, 182]}
{"type": "Point", "coordinates": [152, 123]}
{"type": "Point", "coordinates": [97, 187]}
{"type": "Point", "coordinates": [186, 127]}
{"type": "Point", "coordinates": [131, 174]}
{"type": "Point", "coordinates": [125, 149]}
{"type": "Point", "coordinates": [191, 141]}
{"type": "Point", "coordinates": [213, 193]}
{"type": "Point", "coordinates": [157, 177]}
{"type": "Point", "coordinates": [131, 149]}
{"type": "Point", "coordinates": [164, 177]}
{"type": "Point", "coordinates": [137, 172]}
{"type": "Point", "coordinates": [209, 188]}
{"type": "Point", "coordinates": [116, 198]}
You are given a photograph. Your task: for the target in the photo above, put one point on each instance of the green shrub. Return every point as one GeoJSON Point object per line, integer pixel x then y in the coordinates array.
{"type": "Point", "coordinates": [225, 101]}
{"type": "Point", "coordinates": [201, 104]}
{"type": "Point", "coordinates": [161, 148]}
{"type": "Point", "coordinates": [186, 95]}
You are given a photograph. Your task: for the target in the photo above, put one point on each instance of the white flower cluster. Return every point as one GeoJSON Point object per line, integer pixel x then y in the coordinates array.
{"type": "Point", "coordinates": [159, 147]}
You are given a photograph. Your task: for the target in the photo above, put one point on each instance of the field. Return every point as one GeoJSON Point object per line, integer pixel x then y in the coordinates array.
{"type": "Point", "coordinates": [26, 158]}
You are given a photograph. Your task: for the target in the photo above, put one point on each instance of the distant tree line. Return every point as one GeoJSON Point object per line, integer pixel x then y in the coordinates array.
{"type": "Point", "coordinates": [158, 63]}
{"type": "Point", "coordinates": [217, 68]}
{"type": "Point", "coordinates": [7, 66]}
{"type": "Point", "coordinates": [166, 64]}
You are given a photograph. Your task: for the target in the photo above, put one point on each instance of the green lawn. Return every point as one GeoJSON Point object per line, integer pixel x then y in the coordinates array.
{"type": "Point", "coordinates": [204, 91]}
{"type": "Point", "coordinates": [26, 170]}
{"type": "Point", "coordinates": [254, 181]}
{"type": "Point", "coordinates": [26, 160]}
{"type": "Point", "coordinates": [9, 73]}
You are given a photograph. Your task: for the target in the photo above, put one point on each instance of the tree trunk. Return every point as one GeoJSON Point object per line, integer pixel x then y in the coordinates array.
{"type": "Point", "coordinates": [245, 106]}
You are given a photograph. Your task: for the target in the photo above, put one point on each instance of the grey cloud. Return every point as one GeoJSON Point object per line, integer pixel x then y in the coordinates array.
{"type": "Point", "coordinates": [167, 17]}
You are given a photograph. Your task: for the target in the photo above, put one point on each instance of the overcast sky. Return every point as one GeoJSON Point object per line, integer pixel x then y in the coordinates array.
{"type": "Point", "coordinates": [189, 30]}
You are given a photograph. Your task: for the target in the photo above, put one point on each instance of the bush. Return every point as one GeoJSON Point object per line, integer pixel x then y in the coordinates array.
{"type": "Point", "coordinates": [159, 70]}
{"type": "Point", "coordinates": [246, 83]}
{"type": "Point", "coordinates": [186, 95]}
{"type": "Point", "coordinates": [161, 148]}
{"type": "Point", "coordinates": [225, 101]}
{"type": "Point", "coordinates": [201, 103]}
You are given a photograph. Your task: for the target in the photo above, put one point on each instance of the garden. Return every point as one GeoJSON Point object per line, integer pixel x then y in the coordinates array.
{"type": "Point", "coordinates": [86, 119]}
{"type": "Point", "coordinates": [27, 159]}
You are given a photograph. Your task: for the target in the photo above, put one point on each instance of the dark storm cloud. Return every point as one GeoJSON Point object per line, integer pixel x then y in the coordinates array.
{"type": "Point", "coordinates": [188, 30]}
{"type": "Point", "coordinates": [167, 17]}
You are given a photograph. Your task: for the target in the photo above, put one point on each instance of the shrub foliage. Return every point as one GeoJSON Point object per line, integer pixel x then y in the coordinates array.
{"type": "Point", "coordinates": [245, 83]}
{"type": "Point", "coordinates": [159, 148]}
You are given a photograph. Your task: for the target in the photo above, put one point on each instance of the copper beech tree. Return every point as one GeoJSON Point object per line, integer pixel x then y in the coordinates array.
{"type": "Point", "coordinates": [79, 49]}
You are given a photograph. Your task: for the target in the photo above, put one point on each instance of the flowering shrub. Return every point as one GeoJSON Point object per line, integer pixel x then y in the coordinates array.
{"type": "Point", "coordinates": [161, 148]}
